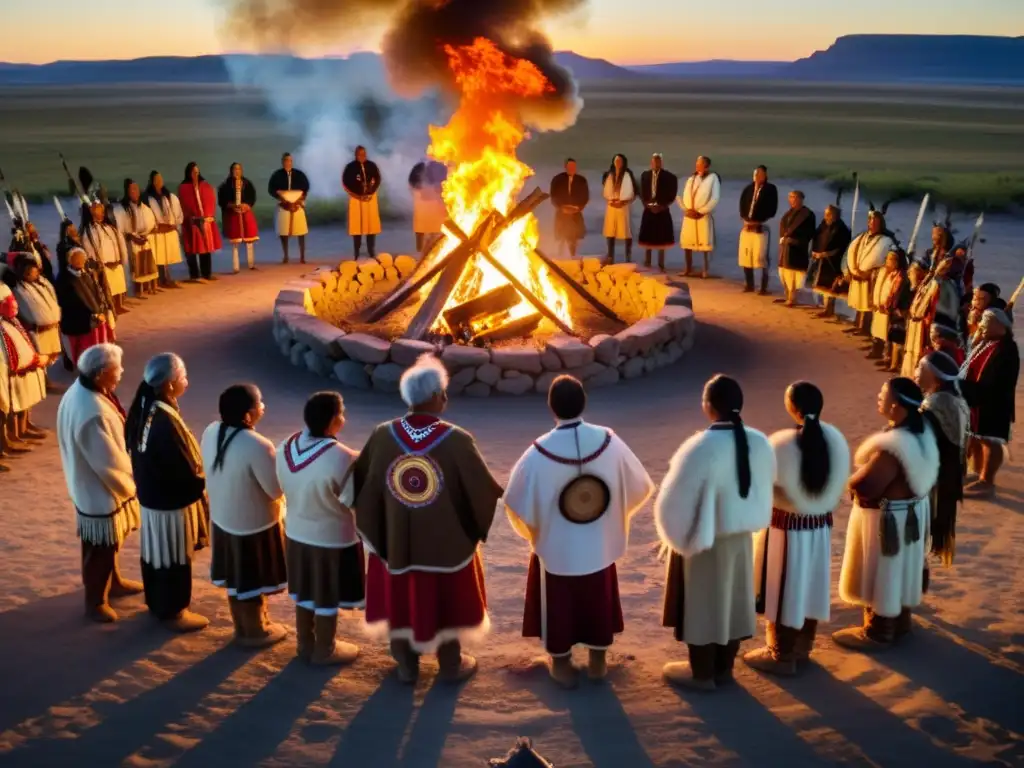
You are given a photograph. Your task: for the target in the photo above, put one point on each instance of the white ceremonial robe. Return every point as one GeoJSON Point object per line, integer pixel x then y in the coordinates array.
{"type": "Point", "coordinates": [167, 245]}
{"type": "Point", "coordinates": [888, 584]}
{"type": "Point", "coordinates": [429, 212]}
{"type": "Point", "coordinates": [753, 253]}
{"type": "Point", "coordinates": [142, 264]}
{"type": "Point", "coordinates": [244, 492]}
{"type": "Point", "coordinates": [885, 283]}
{"type": "Point", "coordinates": [866, 255]}
{"type": "Point", "coordinates": [618, 223]}
{"type": "Point", "coordinates": [797, 575]}
{"type": "Point", "coordinates": [105, 244]}
{"type": "Point", "coordinates": [40, 315]}
{"type": "Point", "coordinates": [567, 548]}
{"type": "Point", "coordinates": [22, 377]}
{"type": "Point", "coordinates": [291, 223]}
{"type": "Point", "coordinates": [699, 510]}
{"type": "Point", "coordinates": [363, 217]}
{"type": "Point", "coordinates": [700, 195]}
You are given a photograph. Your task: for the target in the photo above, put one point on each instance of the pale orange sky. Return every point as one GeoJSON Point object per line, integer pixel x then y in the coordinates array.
{"type": "Point", "coordinates": [640, 31]}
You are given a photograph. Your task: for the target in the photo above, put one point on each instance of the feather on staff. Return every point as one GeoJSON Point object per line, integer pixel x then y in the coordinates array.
{"type": "Point", "coordinates": [912, 245]}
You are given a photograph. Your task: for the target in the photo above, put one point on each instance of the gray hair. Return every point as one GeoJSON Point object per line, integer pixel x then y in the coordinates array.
{"type": "Point", "coordinates": [98, 358]}
{"type": "Point", "coordinates": [427, 378]}
{"type": "Point", "coordinates": [162, 368]}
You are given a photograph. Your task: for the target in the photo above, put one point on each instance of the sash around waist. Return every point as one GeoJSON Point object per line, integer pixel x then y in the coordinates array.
{"type": "Point", "coordinates": [788, 521]}
{"type": "Point", "coordinates": [888, 503]}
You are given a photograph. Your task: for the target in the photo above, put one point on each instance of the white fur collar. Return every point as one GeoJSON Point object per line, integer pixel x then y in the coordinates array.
{"type": "Point", "coordinates": [919, 455]}
{"type": "Point", "coordinates": [787, 473]}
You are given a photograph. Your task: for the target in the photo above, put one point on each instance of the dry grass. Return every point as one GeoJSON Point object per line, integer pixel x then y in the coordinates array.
{"type": "Point", "coordinates": [965, 145]}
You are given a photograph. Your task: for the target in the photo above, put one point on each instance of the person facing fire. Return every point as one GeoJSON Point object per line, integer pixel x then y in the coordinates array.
{"type": "Point", "coordinates": [290, 187]}
{"type": "Point", "coordinates": [361, 180]}
{"type": "Point", "coordinates": [428, 209]}
{"type": "Point", "coordinates": [570, 194]}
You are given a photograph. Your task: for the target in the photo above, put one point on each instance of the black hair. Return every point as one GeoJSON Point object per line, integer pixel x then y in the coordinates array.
{"type": "Point", "coordinates": [815, 464]}
{"type": "Point", "coordinates": [151, 191]}
{"type": "Point", "coordinates": [125, 202]}
{"type": "Point", "coordinates": [566, 397]}
{"type": "Point", "coordinates": [235, 402]}
{"type": "Point", "coordinates": [138, 411]}
{"type": "Point", "coordinates": [285, 156]}
{"type": "Point", "coordinates": [356, 152]}
{"type": "Point", "coordinates": [625, 164]}
{"type": "Point", "coordinates": [725, 396]}
{"type": "Point", "coordinates": [320, 410]}
{"type": "Point", "coordinates": [570, 160]}
{"type": "Point", "coordinates": [947, 237]}
{"type": "Point", "coordinates": [998, 303]}
{"type": "Point", "coordinates": [762, 168]}
{"type": "Point", "coordinates": [188, 173]}
{"type": "Point", "coordinates": [990, 288]}
{"type": "Point", "coordinates": [910, 397]}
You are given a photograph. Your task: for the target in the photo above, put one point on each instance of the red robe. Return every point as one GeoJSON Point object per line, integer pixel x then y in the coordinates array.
{"type": "Point", "coordinates": [199, 232]}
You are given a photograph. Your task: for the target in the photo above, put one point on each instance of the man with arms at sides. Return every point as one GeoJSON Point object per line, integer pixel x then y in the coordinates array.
{"type": "Point", "coordinates": [759, 203]}
{"type": "Point", "coordinates": [828, 247]}
{"type": "Point", "coordinates": [569, 195]}
{"type": "Point", "coordinates": [424, 501]}
{"type": "Point", "coordinates": [796, 230]}
{"type": "Point", "coordinates": [361, 180]}
{"type": "Point", "coordinates": [658, 188]}
{"type": "Point", "coordinates": [572, 495]}
{"type": "Point", "coordinates": [290, 187]}
{"type": "Point", "coordinates": [865, 256]}
{"type": "Point", "coordinates": [700, 197]}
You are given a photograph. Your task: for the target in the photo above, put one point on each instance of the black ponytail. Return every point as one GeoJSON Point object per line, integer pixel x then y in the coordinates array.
{"type": "Point", "coordinates": [725, 397]}
{"type": "Point", "coordinates": [815, 464]}
{"type": "Point", "coordinates": [910, 397]}
{"type": "Point", "coordinates": [235, 402]}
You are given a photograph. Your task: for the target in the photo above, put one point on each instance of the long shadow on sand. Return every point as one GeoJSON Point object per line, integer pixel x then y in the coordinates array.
{"type": "Point", "coordinates": [880, 734]}
{"type": "Point", "coordinates": [374, 736]}
{"type": "Point", "coordinates": [254, 731]}
{"type": "Point", "coordinates": [53, 653]}
{"type": "Point", "coordinates": [430, 729]}
{"type": "Point", "coordinates": [130, 725]}
{"type": "Point", "coordinates": [742, 724]}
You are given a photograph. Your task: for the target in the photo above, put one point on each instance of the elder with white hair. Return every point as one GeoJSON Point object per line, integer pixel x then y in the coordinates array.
{"type": "Point", "coordinates": [98, 471]}
{"type": "Point", "coordinates": [424, 501]}
{"type": "Point", "coordinates": [86, 308]}
{"type": "Point", "coordinates": [168, 467]}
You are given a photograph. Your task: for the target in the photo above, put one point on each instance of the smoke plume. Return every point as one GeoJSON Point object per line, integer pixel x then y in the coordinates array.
{"type": "Point", "coordinates": [415, 34]}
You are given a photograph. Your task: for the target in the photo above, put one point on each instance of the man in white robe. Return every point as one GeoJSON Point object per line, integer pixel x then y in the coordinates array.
{"type": "Point", "coordinates": [166, 208]}
{"type": "Point", "coordinates": [700, 197]}
{"type": "Point", "coordinates": [865, 256]}
{"type": "Point", "coordinates": [576, 533]}
{"type": "Point", "coordinates": [290, 187]}
{"type": "Point", "coordinates": [104, 244]}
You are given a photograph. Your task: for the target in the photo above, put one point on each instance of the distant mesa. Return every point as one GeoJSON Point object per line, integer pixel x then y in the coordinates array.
{"type": "Point", "coordinates": [964, 59]}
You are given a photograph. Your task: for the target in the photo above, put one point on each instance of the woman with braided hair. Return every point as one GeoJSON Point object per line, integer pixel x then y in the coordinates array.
{"type": "Point", "coordinates": [884, 561]}
{"type": "Point", "coordinates": [717, 493]}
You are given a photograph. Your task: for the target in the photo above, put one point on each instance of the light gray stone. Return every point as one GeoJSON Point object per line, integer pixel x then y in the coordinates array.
{"type": "Point", "coordinates": [543, 382]}
{"type": "Point", "coordinates": [571, 351]}
{"type": "Point", "coordinates": [318, 364]}
{"type": "Point", "coordinates": [650, 363]}
{"type": "Point", "coordinates": [365, 348]}
{"type": "Point", "coordinates": [478, 389]}
{"type": "Point", "coordinates": [681, 319]}
{"type": "Point", "coordinates": [488, 373]}
{"type": "Point", "coordinates": [641, 337]}
{"type": "Point", "coordinates": [285, 345]}
{"type": "Point", "coordinates": [460, 380]}
{"type": "Point", "coordinates": [298, 355]}
{"type": "Point", "coordinates": [386, 376]}
{"type": "Point", "coordinates": [407, 351]}
{"type": "Point", "coordinates": [674, 350]}
{"type": "Point", "coordinates": [606, 378]}
{"type": "Point", "coordinates": [687, 341]}
{"type": "Point", "coordinates": [606, 348]}
{"type": "Point", "coordinates": [513, 374]}
{"type": "Point", "coordinates": [314, 288]}
{"type": "Point", "coordinates": [318, 335]}
{"type": "Point", "coordinates": [517, 385]}
{"type": "Point", "coordinates": [550, 360]}
{"type": "Point", "coordinates": [284, 310]}
{"type": "Point", "coordinates": [633, 368]}
{"type": "Point", "coordinates": [525, 360]}
{"type": "Point", "coordinates": [678, 297]}
{"type": "Point", "coordinates": [459, 356]}
{"type": "Point", "coordinates": [591, 370]}
{"type": "Point", "coordinates": [352, 374]}
{"type": "Point", "coordinates": [295, 297]}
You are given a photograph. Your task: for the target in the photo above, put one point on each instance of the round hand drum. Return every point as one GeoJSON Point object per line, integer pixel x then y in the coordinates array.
{"type": "Point", "coordinates": [584, 499]}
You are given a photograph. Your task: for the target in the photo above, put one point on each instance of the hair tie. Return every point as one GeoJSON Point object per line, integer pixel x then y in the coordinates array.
{"type": "Point", "coordinates": [735, 410]}
{"type": "Point", "coordinates": [811, 417]}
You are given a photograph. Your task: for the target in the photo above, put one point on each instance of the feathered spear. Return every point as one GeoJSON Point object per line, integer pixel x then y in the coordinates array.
{"type": "Point", "coordinates": [912, 245]}
{"type": "Point", "coordinates": [856, 200]}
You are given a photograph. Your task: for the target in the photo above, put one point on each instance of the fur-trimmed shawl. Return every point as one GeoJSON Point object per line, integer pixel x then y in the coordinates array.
{"type": "Point", "coordinates": [790, 494]}
{"type": "Point", "coordinates": [952, 414]}
{"type": "Point", "coordinates": [918, 454]}
{"type": "Point", "coordinates": [699, 500]}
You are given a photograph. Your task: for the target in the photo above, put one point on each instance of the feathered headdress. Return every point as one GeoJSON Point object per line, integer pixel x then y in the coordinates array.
{"type": "Point", "coordinates": [17, 209]}
{"type": "Point", "coordinates": [92, 192]}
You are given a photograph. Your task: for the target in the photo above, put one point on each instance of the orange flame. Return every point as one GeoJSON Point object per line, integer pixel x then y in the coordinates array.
{"type": "Point", "coordinates": [479, 147]}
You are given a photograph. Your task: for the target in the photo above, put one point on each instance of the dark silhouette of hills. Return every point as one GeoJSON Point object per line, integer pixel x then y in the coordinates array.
{"type": "Point", "coordinates": [853, 58]}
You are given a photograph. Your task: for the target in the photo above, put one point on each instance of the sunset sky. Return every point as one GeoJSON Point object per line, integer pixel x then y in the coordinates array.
{"type": "Point", "coordinates": [638, 31]}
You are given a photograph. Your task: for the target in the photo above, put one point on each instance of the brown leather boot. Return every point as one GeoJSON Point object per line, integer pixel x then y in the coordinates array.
{"type": "Point", "coordinates": [563, 672]}
{"type": "Point", "coordinates": [328, 652]}
{"type": "Point", "coordinates": [304, 634]}
{"type": "Point", "coordinates": [456, 666]}
{"type": "Point", "coordinates": [805, 641]}
{"type": "Point", "coordinates": [778, 657]}
{"type": "Point", "coordinates": [875, 634]}
{"type": "Point", "coordinates": [904, 624]}
{"type": "Point", "coordinates": [697, 674]}
{"type": "Point", "coordinates": [186, 622]}
{"type": "Point", "coordinates": [408, 669]}
{"type": "Point", "coordinates": [597, 668]}
{"type": "Point", "coordinates": [725, 659]}
{"type": "Point", "coordinates": [257, 629]}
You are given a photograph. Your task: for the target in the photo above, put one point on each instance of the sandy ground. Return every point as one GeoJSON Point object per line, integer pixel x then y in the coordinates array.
{"type": "Point", "coordinates": [131, 694]}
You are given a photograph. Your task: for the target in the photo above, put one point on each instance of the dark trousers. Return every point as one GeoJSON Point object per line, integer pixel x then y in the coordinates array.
{"type": "Point", "coordinates": [371, 245]}
{"type": "Point", "coordinates": [98, 565]}
{"type": "Point", "coordinates": [661, 257]}
{"type": "Point", "coordinates": [199, 265]}
{"type": "Point", "coordinates": [611, 249]}
{"type": "Point", "coordinates": [710, 662]}
{"type": "Point", "coordinates": [168, 590]}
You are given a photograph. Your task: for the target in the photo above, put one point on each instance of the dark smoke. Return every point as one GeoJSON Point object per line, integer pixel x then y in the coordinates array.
{"type": "Point", "coordinates": [415, 36]}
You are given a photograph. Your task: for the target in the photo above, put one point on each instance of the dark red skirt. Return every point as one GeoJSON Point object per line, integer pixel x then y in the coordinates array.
{"type": "Point", "coordinates": [581, 610]}
{"type": "Point", "coordinates": [101, 334]}
{"type": "Point", "coordinates": [426, 608]}
{"type": "Point", "coordinates": [240, 227]}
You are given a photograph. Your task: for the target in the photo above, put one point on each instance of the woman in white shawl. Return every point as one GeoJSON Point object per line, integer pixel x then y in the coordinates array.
{"type": "Point", "coordinates": [620, 191]}
{"type": "Point", "coordinates": [166, 208]}
{"type": "Point", "coordinates": [717, 492]}
{"type": "Point", "coordinates": [793, 556]}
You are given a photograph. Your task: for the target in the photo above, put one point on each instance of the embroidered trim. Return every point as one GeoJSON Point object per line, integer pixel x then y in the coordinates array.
{"type": "Point", "coordinates": [415, 481]}
{"type": "Point", "coordinates": [419, 440]}
{"type": "Point", "coordinates": [787, 521]}
{"type": "Point", "coordinates": [575, 462]}
{"type": "Point", "coordinates": [304, 456]}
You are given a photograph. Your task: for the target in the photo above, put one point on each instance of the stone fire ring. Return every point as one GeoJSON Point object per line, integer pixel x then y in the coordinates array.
{"type": "Point", "coordinates": [363, 361]}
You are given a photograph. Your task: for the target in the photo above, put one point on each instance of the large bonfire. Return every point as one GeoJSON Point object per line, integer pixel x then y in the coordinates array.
{"type": "Point", "coordinates": [479, 147]}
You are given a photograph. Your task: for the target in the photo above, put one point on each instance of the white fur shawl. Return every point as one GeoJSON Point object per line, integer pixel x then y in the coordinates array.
{"type": "Point", "coordinates": [787, 472]}
{"type": "Point", "coordinates": [699, 499]}
{"type": "Point", "coordinates": [626, 192]}
{"type": "Point", "coordinates": [919, 455]}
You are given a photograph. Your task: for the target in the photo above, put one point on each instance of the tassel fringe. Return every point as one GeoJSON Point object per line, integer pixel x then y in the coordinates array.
{"type": "Point", "coordinates": [112, 530]}
{"type": "Point", "coordinates": [889, 533]}
{"type": "Point", "coordinates": [912, 530]}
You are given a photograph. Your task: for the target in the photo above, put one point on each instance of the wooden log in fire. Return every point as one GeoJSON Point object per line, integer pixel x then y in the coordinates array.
{"type": "Point", "coordinates": [486, 305]}
{"type": "Point", "coordinates": [403, 291]}
{"type": "Point", "coordinates": [590, 298]}
{"type": "Point", "coordinates": [521, 326]}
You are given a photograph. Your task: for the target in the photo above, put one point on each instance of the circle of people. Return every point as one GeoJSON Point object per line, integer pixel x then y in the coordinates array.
{"type": "Point", "coordinates": [397, 528]}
